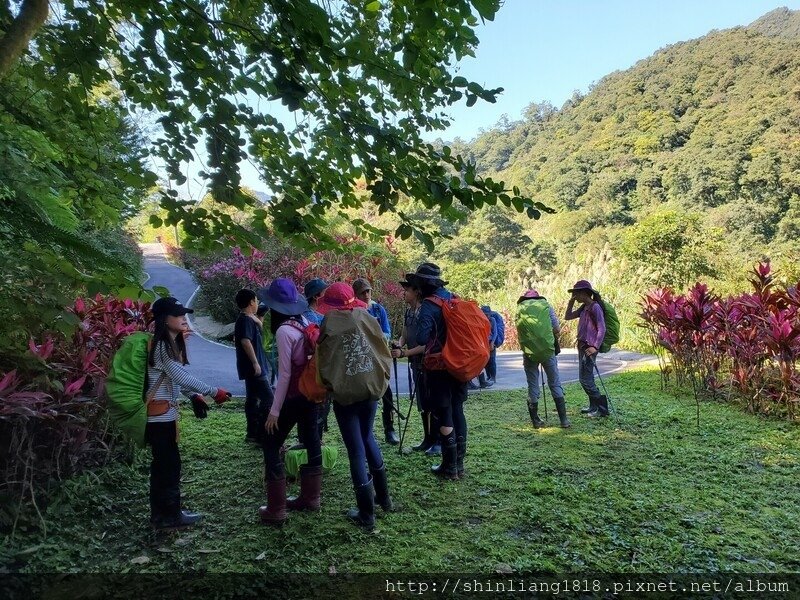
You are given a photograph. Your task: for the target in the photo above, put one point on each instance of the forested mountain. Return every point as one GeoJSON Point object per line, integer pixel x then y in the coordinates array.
{"type": "Point", "coordinates": [708, 127]}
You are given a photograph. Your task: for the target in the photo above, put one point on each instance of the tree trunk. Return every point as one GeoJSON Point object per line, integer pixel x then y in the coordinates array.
{"type": "Point", "coordinates": [32, 15]}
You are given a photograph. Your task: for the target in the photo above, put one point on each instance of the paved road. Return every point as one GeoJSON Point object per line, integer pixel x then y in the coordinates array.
{"type": "Point", "coordinates": [215, 363]}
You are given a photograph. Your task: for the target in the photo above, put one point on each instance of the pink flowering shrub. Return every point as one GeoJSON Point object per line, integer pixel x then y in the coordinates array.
{"type": "Point", "coordinates": [52, 418]}
{"type": "Point", "coordinates": [745, 346]}
{"type": "Point", "coordinates": [220, 279]}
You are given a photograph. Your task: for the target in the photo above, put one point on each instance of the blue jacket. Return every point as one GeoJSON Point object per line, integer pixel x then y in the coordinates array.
{"type": "Point", "coordinates": [430, 323]}
{"type": "Point", "coordinates": [377, 311]}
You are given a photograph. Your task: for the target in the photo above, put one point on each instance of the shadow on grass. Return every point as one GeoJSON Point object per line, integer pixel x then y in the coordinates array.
{"type": "Point", "coordinates": [648, 492]}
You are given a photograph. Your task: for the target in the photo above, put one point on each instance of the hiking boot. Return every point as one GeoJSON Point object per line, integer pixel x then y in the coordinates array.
{"type": "Point", "coordinates": [310, 490]}
{"type": "Point", "coordinates": [434, 450]}
{"type": "Point", "coordinates": [561, 407]}
{"type": "Point", "coordinates": [274, 513]}
{"type": "Point", "coordinates": [601, 408]}
{"type": "Point", "coordinates": [388, 429]}
{"type": "Point", "coordinates": [533, 411]}
{"type": "Point", "coordinates": [182, 520]}
{"type": "Point", "coordinates": [448, 468]}
{"type": "Point", "coordinates": [381, 486]}
{"type": "Point", "coordinates": [591, 408]}
{"type": "Point", "coordinates": [364, 514]}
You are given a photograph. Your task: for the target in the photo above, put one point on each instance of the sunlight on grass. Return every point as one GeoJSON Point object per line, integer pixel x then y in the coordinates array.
{"type": "Point", "coordinates": [651, 492]}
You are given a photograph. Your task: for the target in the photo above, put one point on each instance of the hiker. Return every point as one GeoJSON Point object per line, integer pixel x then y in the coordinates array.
{"type": "Point", "coordinates": [167, 378]}
{"type": "Point", "coordinates": [591, 331]}
{"type": "Point", "coordinates": [537, 331]}
{"type": "Point", "coordinates": [363, 291]}
{"type": "Point", "coordinates": [312, 291]}
{"type": "Point", "coordinates": [485, 379]}
{"type": "Point", "coordinates": [444, 394]}
{"type": "Point", "coordinates": [289, 408]}
{"type": "Point", "coordinates": [251, 364]}
{"type": "Point", "coordinates": [499, 340]}
{"type": "Point", "coordinates": [408, 347]}
{"type": "Point", "coordinates": [354, 363]}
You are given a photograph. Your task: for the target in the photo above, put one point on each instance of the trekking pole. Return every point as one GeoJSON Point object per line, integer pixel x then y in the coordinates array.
{"type": "Point", "coordinates": [608, 397]}
{"type": "Point", "coordinates": [544, 395]}
{"type": "Point", "coordinates": [411, 393]}
{"type": "Point", "coordinates": [395, 405]}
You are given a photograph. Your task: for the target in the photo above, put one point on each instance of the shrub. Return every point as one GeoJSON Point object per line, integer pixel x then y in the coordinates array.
{"type": "Point", "coordinates": [52, 419]}
{"type": "Point", "coordinates": [745, 346]}
{"type": "Point", "coordinates": [221, 277]}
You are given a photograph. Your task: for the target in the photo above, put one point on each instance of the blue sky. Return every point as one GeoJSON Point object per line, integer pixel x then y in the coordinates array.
{"type": "Point", "coordinates": [541, 50]}
{"type": "Point", "coordinates": [545, 49]}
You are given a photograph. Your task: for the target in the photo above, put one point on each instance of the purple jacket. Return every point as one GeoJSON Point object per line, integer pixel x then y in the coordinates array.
{"type": "Point", "coordinates": [591, 324]}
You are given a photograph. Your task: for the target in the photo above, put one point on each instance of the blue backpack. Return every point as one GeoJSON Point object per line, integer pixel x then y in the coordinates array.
{"type": "Point", "coordinates": [501, 329]}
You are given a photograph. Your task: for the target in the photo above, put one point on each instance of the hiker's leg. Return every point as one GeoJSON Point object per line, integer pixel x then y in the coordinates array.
{"type": "Point", "coordinates": [263, 392]}
{"type": "Point", "coordinates": [366, 416]}
{"type": "Point", "coordinates": [458, 397]}
{"type": "Point", "coordinates": [531, 368]}
{"type": "Point", "coordinates": [308, 430]}
{"type": "Point", "coordinates": [388, 417]}
{"type": "Point", "coordinates": [491, 368]}
{"type": "Point", "coordinates": [251, 407]}
{"type": "Point", "coordinates": [553, 378]}
{"type": "Point", "coordinates": [165, 470]}
{"type": "Point", "coordinates": [350, 428]}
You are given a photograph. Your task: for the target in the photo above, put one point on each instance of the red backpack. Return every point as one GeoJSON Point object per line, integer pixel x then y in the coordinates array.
{"type": "Point", "coordinates": [307, 383]}
{"type": "Point", "coordinates": [466, 348]}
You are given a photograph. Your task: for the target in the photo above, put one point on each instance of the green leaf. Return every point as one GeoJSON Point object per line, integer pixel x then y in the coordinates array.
{"type": "Point", "coordinates": [374, 6]}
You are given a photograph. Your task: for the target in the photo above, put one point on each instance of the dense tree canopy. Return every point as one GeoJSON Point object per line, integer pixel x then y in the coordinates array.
{"type": "Point", "coordinates": [359, 83]}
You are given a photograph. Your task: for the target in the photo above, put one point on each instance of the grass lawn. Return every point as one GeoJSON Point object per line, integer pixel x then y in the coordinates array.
{"type": "Point", "coordinates": [650, 493]}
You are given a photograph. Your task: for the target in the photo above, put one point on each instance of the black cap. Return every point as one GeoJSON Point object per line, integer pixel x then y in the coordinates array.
{"type": "Point", "coordinates": [169, 307]}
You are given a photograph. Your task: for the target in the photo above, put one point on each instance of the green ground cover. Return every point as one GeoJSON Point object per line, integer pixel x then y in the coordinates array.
{"type": "Point", "coordinates": [647, 493]}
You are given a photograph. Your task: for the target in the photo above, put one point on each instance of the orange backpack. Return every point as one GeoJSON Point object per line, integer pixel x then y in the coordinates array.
{"type": "Point", "coordinates": [466, 348]}
{"type": "Point", "coordinates": [308, 383]}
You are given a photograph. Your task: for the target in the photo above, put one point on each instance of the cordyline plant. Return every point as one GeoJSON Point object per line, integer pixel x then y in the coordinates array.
{"type": "Point", "coordinates": [747, 344]}
{"type": "Point", "coordinates": [52, 421]}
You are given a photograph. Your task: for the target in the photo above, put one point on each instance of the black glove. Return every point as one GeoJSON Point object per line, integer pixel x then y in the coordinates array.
{"type": "Point", "coordinates": [199, 406]}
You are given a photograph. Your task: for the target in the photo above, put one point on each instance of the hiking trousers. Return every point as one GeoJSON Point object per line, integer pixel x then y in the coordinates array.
{"type": "Point", "coordinates": [532, 375]}
{"type": "Point", "coordinates": [295, 411]}
{"type": "Point", "coordinates": [586, 368]}
{"type": "Point", "coordinates": [258, 402]}
{"type": "Point", "coordinates": [355, 422]}
{"type": "Point", "coordinates": [165, 469]}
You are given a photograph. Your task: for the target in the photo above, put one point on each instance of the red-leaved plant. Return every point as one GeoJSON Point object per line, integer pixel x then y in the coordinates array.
{"type": "Point", "coordinates": [747, 345]}
{"type": "Point", "coordinates": [52, 418]}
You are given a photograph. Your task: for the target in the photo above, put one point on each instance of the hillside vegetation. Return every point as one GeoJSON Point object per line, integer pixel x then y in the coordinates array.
{"type": "Point", "coordinates": [685, 166]}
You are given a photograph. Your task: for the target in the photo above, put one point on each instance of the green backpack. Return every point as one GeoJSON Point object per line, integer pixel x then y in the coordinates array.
{"type": "Point", "coordinates": [612, 326]}
{"type": "Point", "coordinates": [125, 386]}
{"type": "Point", "coordinates": [535, 330]}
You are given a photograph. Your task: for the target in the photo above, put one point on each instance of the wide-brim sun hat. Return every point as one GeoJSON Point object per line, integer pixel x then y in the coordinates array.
{"type": "Point", "coordinates": [282, 296]}
{"type": "Point", "coordinates": [410, 280]}
{"type": "Point", "coordinates": [582, 286]}
{"type": "Point", "coordinates": [338, 296]}
{"type": "Point", "coordinates": [430, 273]}
{"type": "Point", "coordinates": [529, 295]}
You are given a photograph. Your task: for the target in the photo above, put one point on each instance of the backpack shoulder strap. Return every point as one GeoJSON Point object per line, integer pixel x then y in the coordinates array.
{"type": "Point", "coordinates": [436, 300]}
